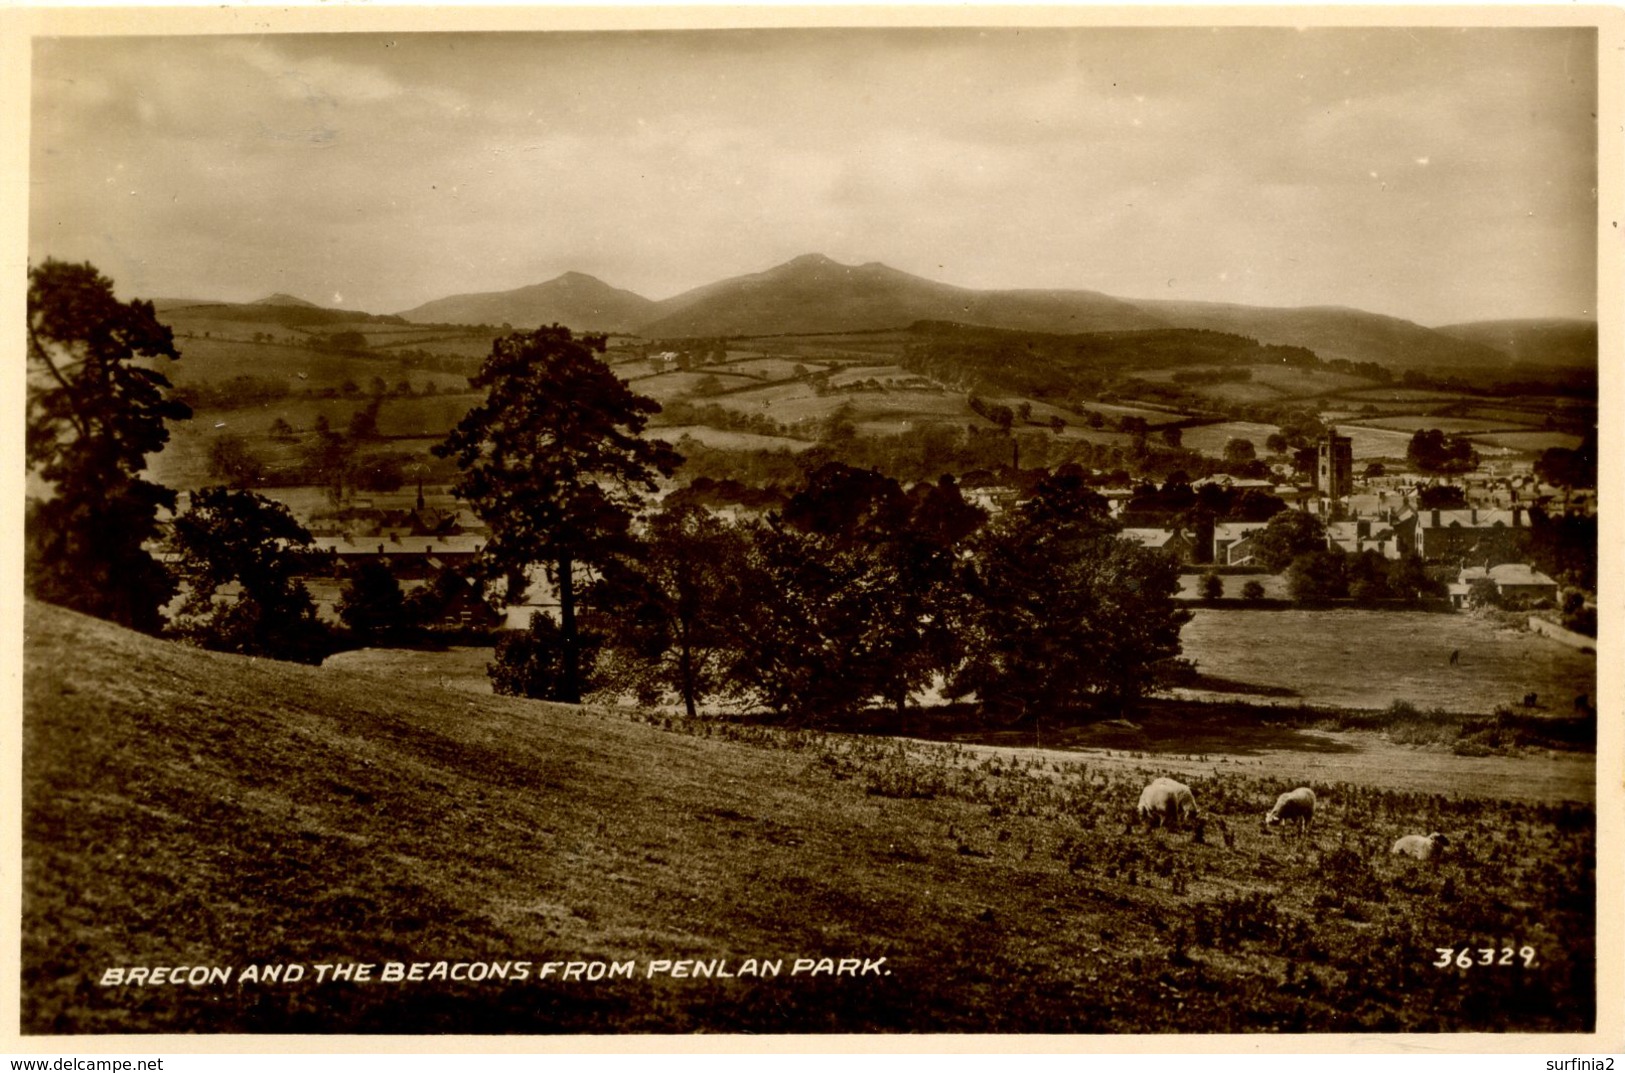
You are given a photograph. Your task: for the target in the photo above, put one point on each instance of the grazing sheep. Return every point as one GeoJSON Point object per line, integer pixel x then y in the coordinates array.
{"type": "Point", "coordinates": [1167, 802]}
{"type": "Point", "coordinates": [1422, 847]}
{"type": "Point", "coordinates": [1294, 806]}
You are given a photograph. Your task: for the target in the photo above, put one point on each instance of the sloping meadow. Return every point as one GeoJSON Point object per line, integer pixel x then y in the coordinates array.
{"type": "Point", "coordinates": [189, 810]}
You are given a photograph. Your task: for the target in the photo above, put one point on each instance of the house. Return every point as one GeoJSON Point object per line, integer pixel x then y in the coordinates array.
{"type": "Point", "coordinates": [1292, 494]}
{"type": "Point", "coordinates": [1355, 535]}
{"type": "Point", "coordinates": [1172, 542]}
{"type": "Point", "coordinates": [1516, 583]}
{"type": "Point", "coordinates": [1226, 535]}
{"type": "Point", "coordinates": [409, 556]}
{"type": "Point", "coordinates": [1116, 498]}
{"type": "Point", "coordinates": [1456, 534]}
{"type": "Point", "coordinates": [995, 499]}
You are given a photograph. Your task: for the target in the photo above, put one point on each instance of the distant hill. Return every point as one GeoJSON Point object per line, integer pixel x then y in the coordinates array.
{"type": "Point", "coordinates": [1550, 343]}
{"type": "Point", "coordinates": [280, 299]}
{"type": "Point", "coordinates": [815, 294]}
{"type": "Point", "coordinates": [297, 315]}
{"type": "Point", "coordinates": [1055, 366]}
{"type": "Point", "coordinates": [1335, 332]}
{"type": "Point", "coordinates": [578, 301]}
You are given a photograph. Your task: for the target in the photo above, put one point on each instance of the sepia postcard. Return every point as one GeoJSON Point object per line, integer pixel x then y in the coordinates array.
{"type": "Point", "coordinates": [565, 527]}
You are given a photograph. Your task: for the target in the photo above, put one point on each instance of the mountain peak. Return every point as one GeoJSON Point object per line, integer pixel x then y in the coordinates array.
{"type": "Point", "coordinates": [280, 299]}
{"type": "Point", "coordinates": [812, 260]}
{"type": "Point", "coordinates": [578, 279]}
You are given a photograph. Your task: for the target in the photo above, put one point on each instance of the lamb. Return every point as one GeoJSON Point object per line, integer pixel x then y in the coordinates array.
{"type": "Point", "coordinates": [1422, 847]}
{"type": "Point", "coordinates": [1294, 806]}
{"type": "Point", "coordinates": [1167, 802]}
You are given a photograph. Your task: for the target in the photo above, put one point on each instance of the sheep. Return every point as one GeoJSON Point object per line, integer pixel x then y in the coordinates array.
{"type": "Point", "coordinates": [1167, 803]}
{"type": "Point", "coordinates": [1294, 806]}
{"type": "Point", "coordinates": [1422, 847]}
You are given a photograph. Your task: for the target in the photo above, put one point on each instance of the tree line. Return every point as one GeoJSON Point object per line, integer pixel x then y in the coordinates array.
{"type": "Point", "coordinates": [858, 591]}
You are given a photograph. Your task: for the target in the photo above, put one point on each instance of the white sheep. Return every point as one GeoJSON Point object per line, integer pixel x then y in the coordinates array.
{"type": "Point", "coordinates": [1422, 847]}
{"type": "Point", "coordinates": [1294, 806]}
{"type": "Point", "coordinates": [1167, 802]}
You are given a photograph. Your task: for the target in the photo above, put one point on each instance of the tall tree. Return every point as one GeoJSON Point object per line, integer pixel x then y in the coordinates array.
{"type": "Point", "coordinates": [373, 604]}
{"type": "Point", "coordinates": [228, 537]}
{"type": "Point", "coordinates": [1067, 616]}
{"type": "Point", "coordinates": [680, 628]}
{"type": "Point", "coordinates": [858, 584]}
{"type": "Point", "coordinates": [1289, 534]}
{"type": "Point", "coordinates": [554, 463]}
{"type": "Point", "coordinates": [96, 409]}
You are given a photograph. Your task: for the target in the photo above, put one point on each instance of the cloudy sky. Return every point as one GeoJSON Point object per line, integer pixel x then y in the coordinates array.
{"type": "Point", "coordinates": [1437, 175]}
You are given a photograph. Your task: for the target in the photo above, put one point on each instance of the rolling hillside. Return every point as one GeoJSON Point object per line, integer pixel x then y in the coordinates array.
{"type": "Point", "coordinates": [1542, 344]}
{"type": "Point", "coordinates": [578, 301]}
{"type": "Point", "coordinates": [815, 294]}
{"type": "Point", "coordinates": [1351, 334]}
{"type": "Point", "coordinates": [203, 810]}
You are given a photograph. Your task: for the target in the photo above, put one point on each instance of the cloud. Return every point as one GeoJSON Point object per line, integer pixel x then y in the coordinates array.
{"type": "Point", "coordinates": [401, 169]}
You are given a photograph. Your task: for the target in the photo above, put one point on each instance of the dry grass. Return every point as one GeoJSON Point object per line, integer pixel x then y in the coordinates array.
{"type": "Point", "coordinates": [183, 807]}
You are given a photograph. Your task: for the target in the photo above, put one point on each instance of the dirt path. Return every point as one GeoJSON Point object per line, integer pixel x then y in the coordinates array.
{"type": "Point", "coordinates": [1365, 759]}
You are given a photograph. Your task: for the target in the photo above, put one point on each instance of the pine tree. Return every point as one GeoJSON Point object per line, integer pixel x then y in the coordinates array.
{"type": "Point", "coordinates": [554, 463]}
{"type": "Point", "coordinates": [96, 409]}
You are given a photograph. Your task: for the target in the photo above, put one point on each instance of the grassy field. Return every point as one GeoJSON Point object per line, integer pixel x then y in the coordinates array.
{"type": "Point", "coordinates": [304, 368]}
{"type": "Point", "coordinates": [1210, 439]}
{"type": "Point", "coordinates": [1530, 441]}
{"type": "Point", "coordinates": [1306, 383]}
{"type": "Point", "coordinates": [1455, 425]}
{"type": "Point", "coordinates": [188, 808]}
{"type": "Point", "coordinates": [184, 461]}
{"type": "Point", "coordinates": [727, 439]}
{"type": "Point", "coordinates": [1369, 659]}
{"type": "Point", "coordinates": [1375, 442]}
{"type": "Point", "coordinates": [1405, 394]}
{"type": "Point", "coordinates": [675, 385]}
{"type": "Point", "coordinates": [432, 415]}
{"type": "Point", "coordinates": [769, 368]}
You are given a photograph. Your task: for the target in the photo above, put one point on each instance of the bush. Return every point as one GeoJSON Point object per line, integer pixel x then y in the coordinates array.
{"type": "Point", "coordinates": [372, 603]}
{"type": "Point", "coordinates": [1253, 590]}
{"type": "Point", "coordinates": [531, 663]}
{"type": "Point", "coordinates": [1212, 586]}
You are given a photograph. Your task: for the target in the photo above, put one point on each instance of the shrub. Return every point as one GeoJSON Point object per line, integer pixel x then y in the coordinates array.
{"type": "Point", "coordinates": [531, 663]}
{"type": "Point", "coordinates": [1212, 586]}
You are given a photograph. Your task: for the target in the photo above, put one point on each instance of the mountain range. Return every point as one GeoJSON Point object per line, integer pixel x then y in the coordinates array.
{"type": "Point", "coordinates": [814, 294]}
